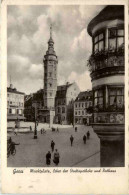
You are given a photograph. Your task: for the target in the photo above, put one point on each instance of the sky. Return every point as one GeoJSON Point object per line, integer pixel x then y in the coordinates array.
{"type": "Point", "coordinates": [28, 31]}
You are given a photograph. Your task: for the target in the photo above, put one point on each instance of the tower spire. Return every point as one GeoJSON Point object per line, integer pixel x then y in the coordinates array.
{"type": "Point", "coordinates": [51, 31]}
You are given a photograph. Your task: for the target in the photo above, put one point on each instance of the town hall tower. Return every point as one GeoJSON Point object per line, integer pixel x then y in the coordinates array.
{"type": "Point", "coordinates": [50, 74]}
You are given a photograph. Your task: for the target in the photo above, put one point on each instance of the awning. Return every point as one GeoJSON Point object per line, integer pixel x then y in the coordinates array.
{"type": "Point", "coordinates": [15, 117]}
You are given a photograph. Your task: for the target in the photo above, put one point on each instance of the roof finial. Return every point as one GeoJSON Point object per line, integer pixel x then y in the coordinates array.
{"type": "Point", "coordinates": [51, 30]}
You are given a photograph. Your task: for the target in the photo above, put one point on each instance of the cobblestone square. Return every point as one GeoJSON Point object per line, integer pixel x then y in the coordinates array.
{"type": "Point", "coordinates": [32, 152]}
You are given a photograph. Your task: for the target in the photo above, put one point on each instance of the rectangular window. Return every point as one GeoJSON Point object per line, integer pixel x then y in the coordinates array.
{"type": "Point", "coordinates": [120, 32]}
{"type": "Point", "coordinates": [120, 41]}
{"type": "Point", "coordinates": [116, 97]}
{"type": "Point", "coordinates": [63, 109]}
{"type": "Point", "coordinates": [98, 98]}
{"type": "Point", "coordinates": [116, 38]}
{"type": "Point", "coordinates": [96, 39]}
{"type": "Point", "coordinates": [13, 111]}
{"type": "Point", "coordinates": [58, 109]}
{"type": "Point", "coordinates": [99, 42]}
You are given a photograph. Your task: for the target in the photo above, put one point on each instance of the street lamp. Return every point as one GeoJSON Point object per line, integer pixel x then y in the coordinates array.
{"type": "Point", "coordinates": [35, 130]}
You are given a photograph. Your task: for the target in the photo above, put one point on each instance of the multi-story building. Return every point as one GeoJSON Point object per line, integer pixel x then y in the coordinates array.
{"type": "Point", "coordinates": [15, 104]}
{"type": "Point", "coordinates": [83, 108]}
{"type": "Point", "coordinates": [107, 73]}
{"type": "Point", "coordinates": [50, 82]}
{"type": "Point", "coordinates": [64, 101]}
{"type": "Point", "coordinates": [33, 102]}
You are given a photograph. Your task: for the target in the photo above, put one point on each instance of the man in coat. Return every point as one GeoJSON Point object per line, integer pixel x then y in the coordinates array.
{"type": "Point", "coordinates": [71, 140]}
{"type": "Point", "coordinates": [56, 157]}
{"type": "Point", "coordinates": [88, 135]}
{"type": "Point", "coordinates": [52, 145]}
{"type": "Point", "coordinates": [48, 158]}
{"type": "Point", "coordinates": [84, 139]}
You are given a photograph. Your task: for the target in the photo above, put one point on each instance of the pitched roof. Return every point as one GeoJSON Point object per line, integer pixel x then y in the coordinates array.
{"type": "Point", "coordinates": [14, 90]}
{"type": "Point", "coordinates": [84, 95]}
{"type": "Point", "coordinates": [64, 87]}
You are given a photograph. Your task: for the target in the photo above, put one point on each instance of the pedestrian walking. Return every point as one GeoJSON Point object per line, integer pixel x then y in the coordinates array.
{"type": "Point", "coordinates": [30, 128]}
{"type": "Point", "coordinates": [71, 140]}
{"type": "Point", "coordinates": [84, 139]}
{"type": "Point", "coordinates": [52, 145]}
{"type": "Point", "coordinates": [41, 131]}
{"type": "Point", "coordinates": [75, 129]}
{"type": "Point", "coordinates": [88, 135]}
{"type": "Point", "coordinates": [48, 158]}
{"type": "Point", "coordinates": [56, 157]}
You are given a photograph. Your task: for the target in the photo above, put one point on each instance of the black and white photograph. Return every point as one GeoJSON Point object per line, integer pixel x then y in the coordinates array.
{"type": "Point", "coordinates": [64, 97]}
{"type": "Point", "coordinates": [65, 86]}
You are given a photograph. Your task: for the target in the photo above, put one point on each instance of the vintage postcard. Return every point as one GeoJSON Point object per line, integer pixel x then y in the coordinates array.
{"type": "Point", "coordinates": [64, 97]}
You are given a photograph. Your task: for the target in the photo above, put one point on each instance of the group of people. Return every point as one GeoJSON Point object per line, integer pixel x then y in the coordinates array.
{"type": "Point", "coordinates": [85, 137]}
{"type": "Point", "coordinates": [55, 129]}
{"type": "Point", "coordinates": [43, 131]}
{"type": "Point", "coordinates": [56, 156]}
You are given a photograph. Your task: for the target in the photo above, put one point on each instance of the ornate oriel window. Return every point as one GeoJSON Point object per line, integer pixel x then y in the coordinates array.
{"type": "Point", "coordinates": [98, 41]}
{"type": "Point", "coordinates": [115, 38]}
{"type": "Point", "coordinates": [116, 97]}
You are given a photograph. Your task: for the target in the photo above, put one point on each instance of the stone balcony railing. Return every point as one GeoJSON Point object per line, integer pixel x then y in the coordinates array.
{"type": "Point", "coordinates": [106, 59]}
{"type": "Point", "coordinates": [109, 108]}
{"type": "Point", "coordinates": [109, 114]}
